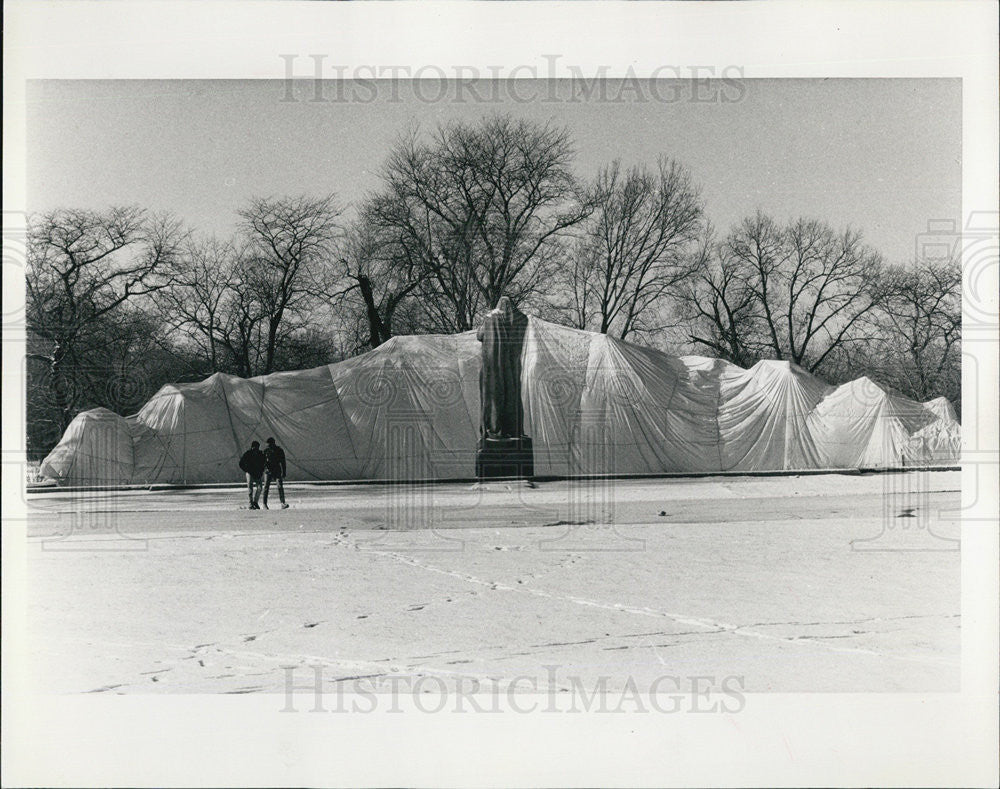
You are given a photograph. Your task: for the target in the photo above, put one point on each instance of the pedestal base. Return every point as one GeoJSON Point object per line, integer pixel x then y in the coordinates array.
{"type": "Point", "coordinates": [505, 457]}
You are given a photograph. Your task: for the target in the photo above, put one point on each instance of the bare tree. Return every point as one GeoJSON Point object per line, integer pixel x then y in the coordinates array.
{"type": "Point", "coordinates": [721, 305]}
{"type": "Point", "coordinates": [755, 252]}
{"type": "Point", "coordinates": [923, 312]}
{"type": "Point", "coordinates": [802, 292]}
{"type": "Point", "coordinates": [118, 365]}
{"type": "Point", "coordinates": [82, 267]}
{"type": "Point", "coordinates": [444, 256]}
{"type": "Point", "coordinates": [832, 286]}
{"type": "Point", "coordinates": [218, 300]}
{"type": "Point", "coordinates": [123, 363]}
{"type": "Point", "coordinates": [376, 275]}
{"type": "Point", "coordinates": [635, 248]}
{"type": "Point", "coordinates": [577, 300]}
{"type": "Point", "coordinates": [196, 300]}
{"type": "Point", "coordinates": [482, 209]}
{"type": "Point", "coordinates": [287, 236]}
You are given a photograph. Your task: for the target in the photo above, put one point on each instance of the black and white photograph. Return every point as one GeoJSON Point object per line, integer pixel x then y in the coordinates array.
{"type": "Point", "coordinates": [638, 421]}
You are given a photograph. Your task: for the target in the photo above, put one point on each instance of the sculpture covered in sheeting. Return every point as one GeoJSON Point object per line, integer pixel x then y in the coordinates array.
{"type": "Point", "coordinates": [592, 404]}
{"type": "Point", "coordinates": [502, 336]}
{"type": "Point", "coordinates": [503, 450]}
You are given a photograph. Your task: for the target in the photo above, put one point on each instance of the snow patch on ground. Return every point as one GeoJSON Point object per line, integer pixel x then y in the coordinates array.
{"type": "Point", "coordinates": [815, 583]}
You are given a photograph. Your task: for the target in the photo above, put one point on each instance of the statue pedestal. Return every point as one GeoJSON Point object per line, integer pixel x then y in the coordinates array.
{"type": "Point", "coordinates": [505, 457]}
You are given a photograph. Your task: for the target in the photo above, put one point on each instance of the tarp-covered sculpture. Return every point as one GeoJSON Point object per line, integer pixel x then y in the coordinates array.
{"type": "Point", "coordinates": [410, 409]}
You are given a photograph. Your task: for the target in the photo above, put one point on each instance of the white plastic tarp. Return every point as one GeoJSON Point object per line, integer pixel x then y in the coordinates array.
{"type": "Point", "coordinates": [593, 405]}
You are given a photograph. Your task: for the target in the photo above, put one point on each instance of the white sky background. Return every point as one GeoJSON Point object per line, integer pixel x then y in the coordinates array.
{"type": "Point", "coordinates": [883, 155]}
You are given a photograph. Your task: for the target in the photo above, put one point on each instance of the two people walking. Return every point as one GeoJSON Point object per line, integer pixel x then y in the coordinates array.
{"type": "Point", "coordinates": [263, 468]}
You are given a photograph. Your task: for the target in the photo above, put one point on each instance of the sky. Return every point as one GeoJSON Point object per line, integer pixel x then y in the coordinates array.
{"type": "Point", "coordinates": [881, 155]}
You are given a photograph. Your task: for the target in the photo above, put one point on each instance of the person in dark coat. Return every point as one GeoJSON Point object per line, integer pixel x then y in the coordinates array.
{"type": "Point", "coordinates": [274, 458]}
{"type": "Point", "coordinates": [253, 464]}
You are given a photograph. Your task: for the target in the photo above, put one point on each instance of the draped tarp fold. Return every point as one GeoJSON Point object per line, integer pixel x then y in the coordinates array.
{"type": "Point", "coordinates": [592, 405]}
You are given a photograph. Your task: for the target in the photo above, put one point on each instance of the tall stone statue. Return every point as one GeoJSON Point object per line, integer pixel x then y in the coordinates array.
{"type": "Point", "coordinates": [504, 450]}
{"type": "Point", "coordinates": [502, 336]}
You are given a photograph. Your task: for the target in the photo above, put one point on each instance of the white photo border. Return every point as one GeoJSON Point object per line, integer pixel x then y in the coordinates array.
{"type": "Point", "coordinates": [945, 739]}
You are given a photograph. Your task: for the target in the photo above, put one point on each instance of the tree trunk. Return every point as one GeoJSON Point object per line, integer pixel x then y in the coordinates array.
{"type": "Point", "coordinates": [272, 339]}
{"type": "Point", "coordinates": [58, 384]}
{"type": "Point", "coordinates": [377, 332]}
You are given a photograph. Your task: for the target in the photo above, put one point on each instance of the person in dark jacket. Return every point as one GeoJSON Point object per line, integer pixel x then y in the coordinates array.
{"type": "Point", "coordinates": [274, 459]}
{"type": "Point", "coordinates": [253, 464]}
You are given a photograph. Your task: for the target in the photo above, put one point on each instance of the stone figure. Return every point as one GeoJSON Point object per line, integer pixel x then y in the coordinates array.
{"type": "Point", "coordinates": [502, 336]}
